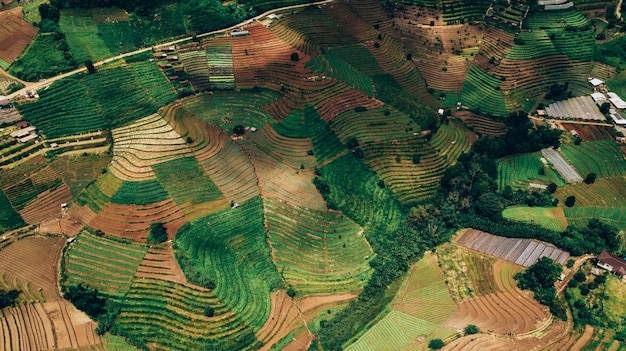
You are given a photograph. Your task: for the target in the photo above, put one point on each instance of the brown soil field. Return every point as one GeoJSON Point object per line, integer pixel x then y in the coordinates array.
{"type": "Point", "coordinates": [300, 343]}
{"type": "Point", "coordinates": [15, 34]}
{"type": "Point", "coordinates": [284, 318]}
{"type": "Point", "coordinates": [584, 339]}
{"type": "Point", "coordinates": [60, 226]}
{"type": "Point", "coordinates": [481, 125]}
{"type": "Point", "coordinates": [346, 101]}
{"type": "Point", "coordinates": [310, 305]}
{"type": "Point", "coordinates": [590, 132]}
{"type": "Point", "coordinates": [34, 260]}
{"type": "Point", "coordinates": [47, 205]}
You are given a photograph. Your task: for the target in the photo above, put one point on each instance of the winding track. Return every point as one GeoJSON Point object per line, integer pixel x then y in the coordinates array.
{"type": "Point", "coordinates": [49, 81]}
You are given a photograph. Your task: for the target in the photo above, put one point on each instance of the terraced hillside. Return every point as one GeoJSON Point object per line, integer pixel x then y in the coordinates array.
{"type": "Point", "coordinates": [293, 169]}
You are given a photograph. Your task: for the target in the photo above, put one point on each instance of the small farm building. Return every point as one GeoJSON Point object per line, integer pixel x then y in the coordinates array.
{"type": "Point", "coordinates": [22, 124]}
{"type": "Point", "coordinates": [617, 101]}
{"type": "Point", "coordinates": [28, 138]}
{"type": "Point", "coordinates": [5, 103]}
{"type": "Point", "coordinates": [612, 263]}
{"type": "Point", "coordinates": [23, 132]}
{"type": "Point", "coordinates": [598, 98]}
{"type": "Point", "coordinates": [271, 16]}
{"type": "Point", "coordinates": [595, 82]}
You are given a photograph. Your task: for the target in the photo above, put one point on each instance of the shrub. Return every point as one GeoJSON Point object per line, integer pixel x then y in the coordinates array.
{"type": "Point", "coordinates": [580, 276]}
{"type": "Point", "coordinates": [552, 188]}
{"type": "Point", "coordinates": [570, 263]}
{"type": "Point", "coordinates": [352, 143]}
{"type": "Point", "coordinates": [291, 292]}
{"type": "Point", "coordinates": [295, 57]}
{"type": "Point", "coordinates": [417, 158]}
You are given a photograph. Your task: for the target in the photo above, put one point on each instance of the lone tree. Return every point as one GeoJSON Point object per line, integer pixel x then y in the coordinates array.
{"type": "Point", "coordinates": [90, 67]}
{"type": "Point", "coordinates": [605, 107]}
{"type": "Point", "coordinates": [471, 329]}
{"type": "Point", "coordinates": [209, 311]}
{"type": "Point", "coordinates": [352, 143]}
{"type": "Point", "coordinates": [158, 234]}
{"type": "Point", "coordinates": [417, 158]}
{"type": "Point", "coordinates": [591, 178]}
{"type": "Point", "coordinates": [295, 57]}
{"type": "Point", "coordinates": [239, 129]}
{"type": "Point", "coordinates": [436, 344]}
{"type": "Point", "coordinates": [570, 201]}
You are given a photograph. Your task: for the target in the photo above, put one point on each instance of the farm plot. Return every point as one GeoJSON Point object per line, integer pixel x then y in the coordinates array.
{"type": "Point", "coordinates": [230, 248]}
{"type": "Point", "coordinates": [133, 221]}
{"type": "Point", "coordinates": [100, 192]}
{"type": "Point", "coordinates": [138, 89]}
{"type": "Point", "coordinates": [452, 139]}
{"type": "Point", "coordinates": [288, 151]}
{"type": "Point", "coordinates": [82, 36]}
{"type": "Point", "coordinates": [481, 90]}
{"type": "Point", "coordinates": [604, 192]}
{"type": "Point", "coordinates": [9, 218]}
{"type": "Point", "coordinates": [602, 157]}
{"type": "Point", "coordinates": [292, 126]}
{"type": "Point", "coordinates": [26, 190]}
{"type": "Point", "coordinates": [47, 205]}
{"type": "Point", "coordinates": [519, 171]}
{"type": "Point", "coordinates": [580, 107]}
{"type": "Point", "coordinates": [171, 316]}
{"type": "Point", "coordinates": [195, 64]}
{"type": "Point", "coordinates": [143, 144]}
{"type": "Point", "coordinates": [103, 264]}
{"type": "Point", "coordinates": [580, 216]}
{"type": "Point", "coordinates": [15, 34]}
{"type": "Point", "coordinates": [33, 261]}
{"type": "Point", "coordinates": [325, 142]}
{"type": "Point", "coordinates": [226, 110]}
{"type": "Point", "coordinates": [43, 326]}
{"type": "Point", "coordinates": [422, 306]}
{"type": "Point", "coordinates": [283, 319]}
{"type": "Point", "coordinates": [551, 218]}
{"type": "Point", "coordinates": [561, 165]}
{"type": "Point", "coordinates": [523, 252]}
{"type": "Point", "coordinates": [160, 263]}
{"type": "Point", "coordinates": [80, 170]}
{"type": "Point", "coordinates": [263, 59]}
{"type": "Point", "coordinates": [339, 69]}
{"type": "Point", "coordinates": [312, 258]}
{"type": "Point", "coordinates": [590, 132]}
{"type": "Point", "coordinates": [219, 59]}
{"type": "Point", "coordinates": [190, 188]}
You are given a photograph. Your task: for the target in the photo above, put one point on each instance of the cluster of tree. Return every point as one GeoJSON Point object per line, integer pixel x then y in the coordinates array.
{"type": "Point", "coordinates": [7, 298]}
{"type": "Point", "coordinates": [521, 137]}
{"type": "Point", "coordinates": [540, 279]}
{"type": "Point", "coordinates": [94, 304]}
{"type": "Point", "coordinates": [559, 91]}
{"type": "Point", "coordinates": [192, 274]}
{"type": "Point", "coordinates": [158, 233]}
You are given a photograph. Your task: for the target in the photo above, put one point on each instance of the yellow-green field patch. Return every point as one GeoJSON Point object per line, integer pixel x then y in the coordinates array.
{"type": "Point", "coordinates": [547, 217]}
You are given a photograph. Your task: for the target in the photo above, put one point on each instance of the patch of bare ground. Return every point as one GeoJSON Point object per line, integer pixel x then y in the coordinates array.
{"type": "Point", "coordinates": [283, 319]}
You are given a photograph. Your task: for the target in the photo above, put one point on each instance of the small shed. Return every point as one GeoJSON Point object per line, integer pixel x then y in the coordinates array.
{"type": "Point", "coordinates": [598, 98]}
{"type": "Point", "coordinates": [22, 124]}
{"type": "Point", "coordinates": [28, 138]}
{"type": "Point", "coordinates": [239, 33]}
{"type": "Point", "coordinates": [271, 16]}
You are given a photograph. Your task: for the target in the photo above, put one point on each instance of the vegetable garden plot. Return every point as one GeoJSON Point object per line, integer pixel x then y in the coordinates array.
{"type": "Point", "coordinates": [311, 257]}
{"type": "Point", "coordinates": [143, 144]}
{"type": "Point", "coordinates": [172, 317]}
{"type": "Point", "coordinates": [15, 34]}
{"type": "Point", "coordinates": [103, 264]}
{"type": "Point", "coordinates": [230, 248]}
{"type": "Point", "coordinates": [81, 104]}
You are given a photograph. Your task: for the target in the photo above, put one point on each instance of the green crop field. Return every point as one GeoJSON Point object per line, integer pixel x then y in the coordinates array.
{"type": "Point", "coordinates": [170, 316]}
{"type": "Point", "coordinates": [139, 193]}
{"type": "Point", "coordinates": [359, 57]}
{"type": "Point", "coordinates": [9, 219]}
{"type": "Point", "coordinates": [41, 59]}
{"type": "Point", "coordinates": [398, 330]}
{"type": "Point", "coordinates": [482, 91]}
{"type": "Point", "coordinates": [185, 181]}
{"type": "Point", "coordinates": [602, 157]}
{"type": "Point", "coordinates": [103, 264]}
{"type": "Point", "coordinates": [551, 218]}
{"type": "Point", "coordinates": [325, 142]}
{"type": "Point", "coordinates": [520, 170]}
{"type": "Point", "coordinates": [580, 216]}
{"type": "Point", "coordinates": [82, 36]}
{"type": "Point", "coordinates": [292, 126]}
{"type": "Point", "coordinates": [80, 170]}
{"type": "Point", "coordinates": [313, 258]}
{"type": "Point", "coordinates": [230, 248]}
{"type": "Point", "coordinates": [111, 98]}
{"type": "Point", "coordinates": [334, 67]}
{"type": "Point", "coordinates": [100, 192]}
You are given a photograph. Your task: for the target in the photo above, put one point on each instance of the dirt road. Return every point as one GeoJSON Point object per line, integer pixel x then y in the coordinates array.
{"type": "Point", "coordinates": [46, 82]}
